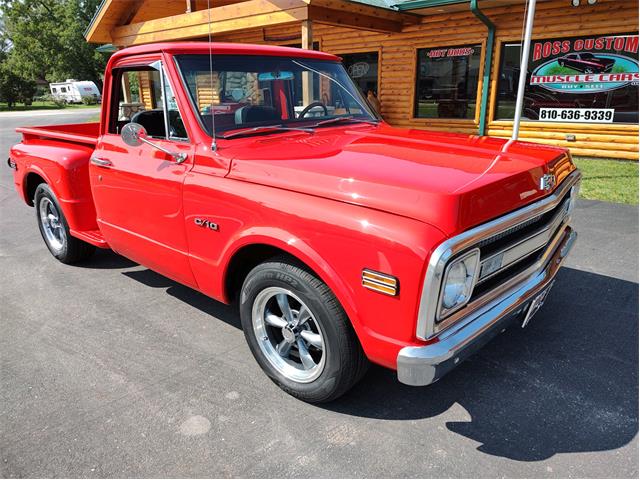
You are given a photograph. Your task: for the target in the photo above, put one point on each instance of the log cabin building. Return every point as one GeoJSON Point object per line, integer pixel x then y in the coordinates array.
{"type": "Point", "coordinates": [448, 65]}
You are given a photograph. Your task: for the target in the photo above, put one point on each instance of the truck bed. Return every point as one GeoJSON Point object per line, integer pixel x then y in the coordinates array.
{"type": "Point", "coordinates": [85, 133]}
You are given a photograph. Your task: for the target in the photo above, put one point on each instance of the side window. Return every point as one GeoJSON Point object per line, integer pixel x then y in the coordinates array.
{"type": "Point", "coordinates": [141, 99]}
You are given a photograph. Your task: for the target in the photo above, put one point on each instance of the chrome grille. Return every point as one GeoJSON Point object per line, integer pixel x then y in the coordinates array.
{"type": "Point", "coordinates": [494, 237]}
{"type": "Point", "coordinates": [510, 231]}
{"type": "Point", "coordinates": [532, 236]}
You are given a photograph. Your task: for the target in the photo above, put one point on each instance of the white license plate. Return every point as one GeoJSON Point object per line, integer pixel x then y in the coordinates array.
{"type": "Point", "coordinates": [535, 305]}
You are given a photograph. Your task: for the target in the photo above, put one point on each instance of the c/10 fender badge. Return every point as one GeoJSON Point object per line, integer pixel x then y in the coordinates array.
{"type": "Point", "coordinates": [201, 222]}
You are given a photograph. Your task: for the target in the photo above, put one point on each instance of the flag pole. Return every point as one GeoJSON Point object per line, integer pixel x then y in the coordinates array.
{"type": "Point", "coordinates": [524, 65]}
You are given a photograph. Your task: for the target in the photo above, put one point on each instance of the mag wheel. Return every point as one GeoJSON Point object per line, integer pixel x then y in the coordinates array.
{"type": "Point", "coordinates": [55, 229]}
{"type": "Point", "coordinates": [299, 333]}
{"type": "Point", "coordinates": [288, 334]}
{"type": "Point", "coordinates": [52, 228]}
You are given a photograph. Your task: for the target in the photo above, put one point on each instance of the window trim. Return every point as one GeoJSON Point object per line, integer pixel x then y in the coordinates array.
{"type": "Point", "coordinates": [475, 120]}
{"type": "Point", "coordinates": [165, 77]}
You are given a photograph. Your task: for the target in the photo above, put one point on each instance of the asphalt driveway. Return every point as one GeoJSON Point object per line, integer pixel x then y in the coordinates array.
{"type": "Point", "coordinates": [110, 370]}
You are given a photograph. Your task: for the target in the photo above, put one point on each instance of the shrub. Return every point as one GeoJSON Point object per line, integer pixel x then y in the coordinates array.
{"type": "Point", "coordinates": [90, 100]}
{"type": "Point", "coordinates": [57, 101]}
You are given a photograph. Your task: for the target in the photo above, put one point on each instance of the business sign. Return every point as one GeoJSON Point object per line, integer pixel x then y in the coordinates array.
{"type": "Point", "coordinates": [450, 52]}
{"type": "Point", "coordinates": [582, 65]}
{"type": "Point", "coordinates": [358, 69]}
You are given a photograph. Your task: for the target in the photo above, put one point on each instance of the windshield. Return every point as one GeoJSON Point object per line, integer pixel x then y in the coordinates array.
{"type": "Point", "coordinates": [254, 91]}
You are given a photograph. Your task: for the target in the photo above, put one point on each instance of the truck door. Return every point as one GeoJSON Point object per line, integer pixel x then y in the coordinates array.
{"type": "Point", "coordinates": [138, 190]}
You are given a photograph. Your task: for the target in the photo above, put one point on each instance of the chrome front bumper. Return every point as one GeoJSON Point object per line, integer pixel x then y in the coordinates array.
{"type": "Point", "coordinates": [424, 365]}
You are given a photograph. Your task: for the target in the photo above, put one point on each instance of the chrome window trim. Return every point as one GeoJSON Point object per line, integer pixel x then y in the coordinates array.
{"type": "Point", "coordinates": [427, 311]}
{"type": "Point", "coordinates": [163, 88]}
{"type": "Point", "coordinates": [164, 82]}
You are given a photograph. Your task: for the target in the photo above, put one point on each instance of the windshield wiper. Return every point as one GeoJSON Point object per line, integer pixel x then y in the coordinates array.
{"type": "Point", "coordinates": [350, 118]}
{"type": "Point", "coordinates": [262, 129]}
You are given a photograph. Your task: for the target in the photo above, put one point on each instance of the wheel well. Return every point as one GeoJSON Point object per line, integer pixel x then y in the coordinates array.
{"type": "Point", "coordinates": [245, 259]}
{"type": "Point", "coordinates": [31, 182]}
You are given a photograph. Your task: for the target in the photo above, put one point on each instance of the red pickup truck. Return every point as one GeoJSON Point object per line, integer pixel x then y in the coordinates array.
{"type": "Point", "coordinates": [260, 175]}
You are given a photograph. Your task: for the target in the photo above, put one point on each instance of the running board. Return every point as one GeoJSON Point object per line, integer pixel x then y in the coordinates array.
{"type": "Point", "coordinates": [94, 237]}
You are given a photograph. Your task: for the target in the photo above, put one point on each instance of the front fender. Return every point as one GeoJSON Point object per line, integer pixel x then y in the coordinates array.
{"type": "Point", "coordinates": [296, 247]}
{"type": "Point", "coordinates": [336, 240]}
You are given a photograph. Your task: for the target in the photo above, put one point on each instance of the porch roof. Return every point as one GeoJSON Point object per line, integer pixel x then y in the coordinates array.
{"type": "Point", "coordinates": [136, 22]}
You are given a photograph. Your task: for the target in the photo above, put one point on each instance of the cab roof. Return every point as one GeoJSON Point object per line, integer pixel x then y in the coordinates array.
{"type": "Point", "coordinates": [217, 48]}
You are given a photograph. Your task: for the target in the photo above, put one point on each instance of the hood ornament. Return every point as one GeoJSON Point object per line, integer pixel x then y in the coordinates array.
{"type": "Point", "coordinates": [547, 182]}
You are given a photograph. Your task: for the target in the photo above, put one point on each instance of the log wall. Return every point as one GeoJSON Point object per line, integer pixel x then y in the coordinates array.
{"type": "Point", "coordinates": [398, 61]}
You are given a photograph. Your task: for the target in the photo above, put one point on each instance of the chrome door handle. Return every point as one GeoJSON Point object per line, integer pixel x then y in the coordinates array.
{"type": "Point", "coordinates": [101, 162]}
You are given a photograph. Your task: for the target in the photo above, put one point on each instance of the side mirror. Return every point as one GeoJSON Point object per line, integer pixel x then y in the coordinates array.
{"type": "Point", "coordinates": [131, 134]}
{"type": "Point", "coordinates": [134, 135]}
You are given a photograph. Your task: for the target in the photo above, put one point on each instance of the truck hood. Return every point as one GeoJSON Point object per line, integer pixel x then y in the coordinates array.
{"type": "Point", "coordinates": [451, 181]}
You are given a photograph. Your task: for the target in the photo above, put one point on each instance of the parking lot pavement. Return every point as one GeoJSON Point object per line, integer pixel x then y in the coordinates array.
{"type": "Point", "coordinates": [110, 370]}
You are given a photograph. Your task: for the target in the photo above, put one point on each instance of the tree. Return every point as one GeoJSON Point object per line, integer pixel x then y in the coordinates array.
{"type": "Point", "coordinates": [14, 88]}
{"type": "Point", "coordinates": [47, 39]}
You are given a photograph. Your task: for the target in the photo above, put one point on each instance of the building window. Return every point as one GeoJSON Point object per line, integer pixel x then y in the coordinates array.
{"type": "Point", "coordinates": [447, 82]}
{"type": "Point", "coordinates": [363, 70]}
{"type": "Point", "coordinates": [573, 79]}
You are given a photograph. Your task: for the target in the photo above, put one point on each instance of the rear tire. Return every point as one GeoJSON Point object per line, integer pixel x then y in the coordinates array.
{"type": "Point", "coordinates": [55, 229]}
{"type": "Point", "coordinates": [298, 332]}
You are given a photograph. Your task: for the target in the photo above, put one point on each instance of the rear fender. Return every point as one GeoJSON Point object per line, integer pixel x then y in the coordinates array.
{"type": "Point", "coordinates": [65, 168]}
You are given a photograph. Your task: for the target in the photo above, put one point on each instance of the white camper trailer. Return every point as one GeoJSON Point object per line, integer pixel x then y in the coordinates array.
{"type": "Point", "coordinates": [73, 91]}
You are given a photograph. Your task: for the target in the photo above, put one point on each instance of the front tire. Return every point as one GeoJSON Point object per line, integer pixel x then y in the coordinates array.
{"type": "Point", "coordinates": [298, 332]}
{"type": "Point", "coordinates": [55, 229]}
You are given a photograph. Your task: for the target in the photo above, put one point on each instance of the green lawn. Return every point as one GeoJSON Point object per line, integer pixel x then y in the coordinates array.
{"type": "Point", "coordinates": [41, 106]}
{"type": "Point", "coordinates": [429, 109]}
{"type": "Point", "coordinates": [609, 180]}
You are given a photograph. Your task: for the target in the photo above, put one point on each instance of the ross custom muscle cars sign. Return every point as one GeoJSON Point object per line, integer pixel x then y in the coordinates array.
{"type": "Point", "coordinates": [584, 79]}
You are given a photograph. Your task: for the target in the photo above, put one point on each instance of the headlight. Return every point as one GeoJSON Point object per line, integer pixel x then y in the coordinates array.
{"type": "Point", "coordinates": [459, 279]}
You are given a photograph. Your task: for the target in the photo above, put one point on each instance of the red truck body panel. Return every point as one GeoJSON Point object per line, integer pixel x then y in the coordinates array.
{"type": "Point", "coordinates": [339, 200]}
{"type": "Point", "coordinates": [463, 181]}
{"type": "Point", "coordinates": [83, 133]}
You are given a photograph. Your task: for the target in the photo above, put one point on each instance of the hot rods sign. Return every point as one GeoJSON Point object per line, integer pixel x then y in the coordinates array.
{"type": "Point", "coordinates": [585, 65]}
